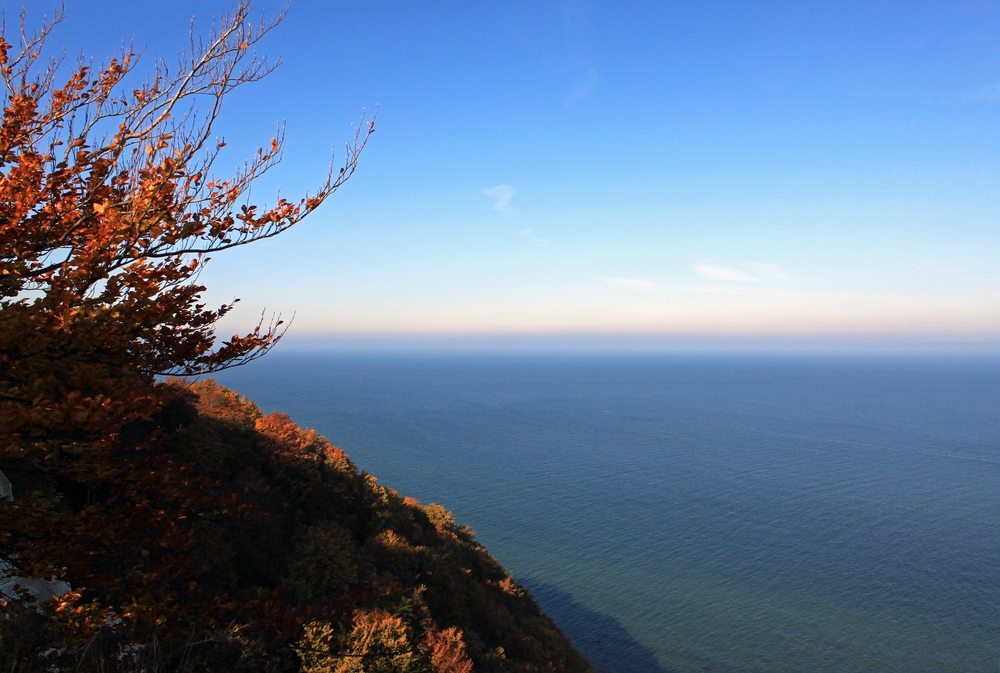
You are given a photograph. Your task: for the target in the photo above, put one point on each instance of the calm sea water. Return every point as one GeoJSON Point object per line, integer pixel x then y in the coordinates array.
{"type": "Point", "coordinates": [728, 514]}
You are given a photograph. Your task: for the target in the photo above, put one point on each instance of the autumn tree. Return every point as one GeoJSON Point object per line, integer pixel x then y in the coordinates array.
{"type": "Point", "coordinates": [109, 209]}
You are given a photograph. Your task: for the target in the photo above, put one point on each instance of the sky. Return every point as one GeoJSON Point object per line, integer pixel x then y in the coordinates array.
{"type": "Point", "coordinates": [614, 172]}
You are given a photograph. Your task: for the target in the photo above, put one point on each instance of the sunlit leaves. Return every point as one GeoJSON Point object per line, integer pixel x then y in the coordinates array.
{"type": "Point", "coordinates": [108, 210]}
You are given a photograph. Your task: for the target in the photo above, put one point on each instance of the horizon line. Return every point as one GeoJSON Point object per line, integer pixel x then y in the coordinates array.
{"type": "Point", "coordinates": [640, 343]}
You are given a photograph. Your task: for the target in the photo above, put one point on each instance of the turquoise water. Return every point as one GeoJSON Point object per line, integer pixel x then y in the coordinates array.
{"type": "Point", "coordinates": [728, 514]}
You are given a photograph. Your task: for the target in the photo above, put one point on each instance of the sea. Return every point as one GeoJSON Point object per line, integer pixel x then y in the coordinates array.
{"type": "Point", "coordinates": [676, 513]}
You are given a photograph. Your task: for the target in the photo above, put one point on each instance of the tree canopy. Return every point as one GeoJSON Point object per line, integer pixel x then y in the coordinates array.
{"type": "Point", "coordinates": [109, 209]}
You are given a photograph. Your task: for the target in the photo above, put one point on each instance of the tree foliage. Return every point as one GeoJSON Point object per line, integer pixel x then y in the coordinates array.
{"type": "Point", "coordinates": [109, 209]}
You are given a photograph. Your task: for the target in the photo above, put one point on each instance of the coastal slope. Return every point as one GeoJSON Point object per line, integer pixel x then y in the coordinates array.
{"type": "Point", "coordinates": [364, 579]}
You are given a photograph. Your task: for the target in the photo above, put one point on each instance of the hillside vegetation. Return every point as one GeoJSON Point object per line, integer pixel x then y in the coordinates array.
{"type": "Point", "coordinates": [315, 566]}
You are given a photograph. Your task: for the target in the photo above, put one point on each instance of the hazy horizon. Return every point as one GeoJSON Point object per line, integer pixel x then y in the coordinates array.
{"type": "Point", "coordinates": [666, 344]}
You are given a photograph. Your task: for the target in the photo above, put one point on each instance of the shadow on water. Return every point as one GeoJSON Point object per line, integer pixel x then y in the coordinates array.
{"type": "Point", "coordinates": [602, 639]}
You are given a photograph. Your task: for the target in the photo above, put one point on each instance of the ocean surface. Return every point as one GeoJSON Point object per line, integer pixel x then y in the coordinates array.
{"type": "Point", "coordinates": [732, 514]}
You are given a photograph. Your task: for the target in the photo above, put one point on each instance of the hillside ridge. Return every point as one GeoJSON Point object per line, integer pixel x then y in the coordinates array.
{"type": "Point", "coordinates": [318, 567]}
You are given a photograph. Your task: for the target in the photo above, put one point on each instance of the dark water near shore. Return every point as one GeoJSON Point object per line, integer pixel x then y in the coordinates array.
{"type": "Point", "coordinates": [732, 513]}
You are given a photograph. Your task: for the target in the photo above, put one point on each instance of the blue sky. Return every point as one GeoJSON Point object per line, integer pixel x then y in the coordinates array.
{"type": "Point", "coordinates": [654, 171]}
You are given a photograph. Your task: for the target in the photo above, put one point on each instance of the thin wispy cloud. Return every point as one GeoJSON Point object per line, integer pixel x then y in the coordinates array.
{"type": "Point", "coordinates": [989, 94]}
{"type": "Point", "coordinates": [586, 83]}
{"type": "Point", "coordinates": [744, 272]}
{"type": "Point", "coordinates": [530, 235]}
{"type": "Point", "coordinates": [579, 32]}
{"type": "Point", "coordinates": [502, 194]}
{"type": "Point", "coordinates": [630, 283]}
{"type": "Point", "coordinates": [716, 272]}
{"type": "Point", "coordinates": [770, 271]}
{"type": "Point", "coordinates": [742, 291]}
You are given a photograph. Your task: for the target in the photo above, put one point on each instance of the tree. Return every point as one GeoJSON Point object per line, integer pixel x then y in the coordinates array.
{"type": "Point", "coordinates": [108, 211]}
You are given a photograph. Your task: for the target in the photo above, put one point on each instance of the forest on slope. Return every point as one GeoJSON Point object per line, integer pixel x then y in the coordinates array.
{"type": "Point", "coordinates": [304, 563]}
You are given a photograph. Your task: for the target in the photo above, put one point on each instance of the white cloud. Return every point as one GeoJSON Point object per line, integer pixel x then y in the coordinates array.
{"type": "Point", "coordinates": [631, 283]}
{"type": "Point", "coordinates": [530, 235]}
{"type": "Point", "coordinates": [503, 194]}
{"type": "Point", "coordinates": [744, 272]}
{"type": "Point", "coordinates": [772, 271]}
{"type": "Point", "coordinates": [742, 291]}
{"type": "Point", "coordinates": [716, 272]}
